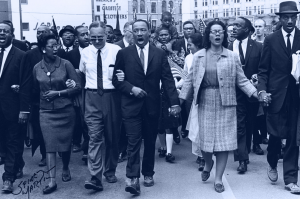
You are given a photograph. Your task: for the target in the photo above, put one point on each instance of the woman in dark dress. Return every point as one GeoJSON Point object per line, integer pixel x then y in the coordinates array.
{"type": "Point", "coordinates": [57, 115]}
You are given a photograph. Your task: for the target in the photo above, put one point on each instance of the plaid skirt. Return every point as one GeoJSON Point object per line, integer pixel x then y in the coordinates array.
{"type": "Point", "coordinates": [217, 123]}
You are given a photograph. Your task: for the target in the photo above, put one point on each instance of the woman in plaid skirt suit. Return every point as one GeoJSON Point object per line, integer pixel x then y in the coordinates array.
{"type": "Point", "coordinates": [215, 73]}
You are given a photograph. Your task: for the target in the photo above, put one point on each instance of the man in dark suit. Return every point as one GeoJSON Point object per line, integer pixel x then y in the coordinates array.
{"type": "Point", "coordinates": [82, 35]}
{"type": "Point", "coordinates": [17, 43]}
{"type": "Point", "coordinates": [188, 30]}
{"type": "Point", "coordinates": [13, 110]}
{"type": "Point", "coordinates": [247, 108]}
{"type": "Point", "coordinates": [125, 42]}
{"type": "Point", "coordinates": [274, 76]}
{"type": "Point", "coordinates": [144, 67]}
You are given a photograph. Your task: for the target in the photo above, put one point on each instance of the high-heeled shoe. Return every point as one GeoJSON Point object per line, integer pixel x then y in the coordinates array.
{"type": "Point", "coordinates": [48, 189]}
{"type": "Point", "coordinates": [206, 174]}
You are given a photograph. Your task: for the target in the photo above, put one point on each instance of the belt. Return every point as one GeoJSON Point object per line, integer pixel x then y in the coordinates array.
{"type": "Point", "coordinates": [211, 87]}
{"type": "Point", "coordinates": [104, 90]}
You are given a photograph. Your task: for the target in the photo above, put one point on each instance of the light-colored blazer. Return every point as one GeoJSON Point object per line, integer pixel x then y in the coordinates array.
{"type": "Point", "coordinates": [230, 74]}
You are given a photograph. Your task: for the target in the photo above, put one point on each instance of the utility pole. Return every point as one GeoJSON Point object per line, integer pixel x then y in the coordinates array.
{"type": "Point", "coordinates": [93, 13]}
{"type": "Point", "coordinates": [21, 26]}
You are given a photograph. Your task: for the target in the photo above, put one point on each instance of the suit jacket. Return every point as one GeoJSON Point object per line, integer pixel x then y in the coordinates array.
{"type": "Point", "coordinates": [179, 44]}
{"type": "Point", "coordinates": [252, 59]}
{"type": "Point", "coordinates": [73, 56]}
{"type": "Point", "coordinates": [158, 70]}
{"type": "Point", "coordinates": [275, 68]}
{"type": "Point", "coordinates": [230, 74]}
{"type": "Point", "coordinates": [10, 102]}
{"type": "Point", "coordinates": [19, 44]}
{"type": "Point", "coordinates": [120, 43]}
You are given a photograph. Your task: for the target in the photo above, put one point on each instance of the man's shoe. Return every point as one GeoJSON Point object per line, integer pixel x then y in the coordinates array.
{"type": "Point", "coordinates": [19, 174]}
{"type": "Point", "coordinates": [206, 174]}
{"type": "Point", "coordinates": [148, 181]}
{"type": "Point", "coordinates": [201, 164]}
{"type": "Point", "coordinates": [7, 187]}
{"type": "Point", "coordinates": [162, 153]}
{"type": "Point", "coordinates": [293, 188]}
{"type": "Point", "coordinates": [133, 186]}
{"type": "Point", "coordinates": [48, 189]}
{"type": "Point", "coordinates": [265, 141]}
{"type": "Point", "coordinates": [2, 160]}
{"type": "Point", "coordinates": [76, 148]}
{"type": "Point", "coordinates": [242, 168]}
{"type": "Point", "coordinates": [111, 179]}
{"type": "Point", "coordinates": [170, 158]}
{"type": "Point", "coordinates": [94, 184]}
{"type": "Point", "coordinates": [42, 163]}
{"type": "Point", "coordinates": [122, 157]}
{"type": "Point", "coordinates": [184, 133]}
{"type": "Point", "coordinates": [257, 150]}
{"type": "Point", "coordinates": [272, 174]}
{"type": "Point", "coordinates": [247, 161]}
{"type": "Point", "coordinates": [176, 139]}
{"type": "Point", "coordinates": [198, 160]}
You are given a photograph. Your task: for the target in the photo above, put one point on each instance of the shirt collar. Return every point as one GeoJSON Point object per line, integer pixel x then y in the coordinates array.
{"type": "Point", "coordinates": [65, 48]}
{"type": "Point", "coordinates": [125, 42]}
{"type": "Point", "coordinates": [146, 47]}
{"type": "Point", "coordinates": [80, 49]}
{"type": "Point", "coordinates": [95, 50]}
{"type": "Point", "coordinates": [285, 33]}
{"type": "Point", "coordinates": [243, 41]}
{"type": "Point", "coordinates": [7, 49]}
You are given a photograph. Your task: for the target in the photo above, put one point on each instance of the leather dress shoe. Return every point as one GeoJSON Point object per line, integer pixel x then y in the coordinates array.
{"type": "Point", "coordinates": [84, 158]}
{"type": "Point", "coordinates": [176, 137]}
{"type": "Point", "coordinates": [66, 177]}
{"type": "Point", "coordinates": [170, 158]}
{"type": "Point", "coordinates": [272, 174]}
{"type": "Point", "coordinates": [148, 181]}
{"type": "Point", "coordinates": [206, 174]}
{"type": "Point", "coordinates": [257, 150]}
{"type": "Point", "coordinates": [94, 184]}
{"type": "Point", "coordinates": [293, 188]}
{"type": "Point", "coordinates": [19, 174]}
{"type": "Point", "coordinates": [48, 189]}
{"type": "Point", "coordinates": [201, 164]}
{"type": "Point", "coordinates": [7, 187]}
{"type": "Point", "coordinates": [265, 141]}
{"type": "Point", "coordinates": [122, 157]}
{"type": "Point", "coordinates": [76, 148]}
{"type": "Point", "coordinates": [111, 179]}
{"type": "Point", "coordinates": [2, 160]}
{"type": "Point", "coordinates": [162, 152]}
{"type": "Point", "coordinates": [198, 160]}
{"type": "Point", "coordinates": [42, 163]}
{"type": "Point", "coordinates": [184, 133]}
{"type": "Point", "coordinates": [219, 187]}
{"type": "Point", "coordinates": [242, 168]}
{"type": "Point", "coordinates": [133, 186]}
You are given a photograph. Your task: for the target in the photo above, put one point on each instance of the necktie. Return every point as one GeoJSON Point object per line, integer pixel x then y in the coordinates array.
{"type": "Point", "coordinates": [67, 49]}
{"type": "Point", "coordinates": [242, 58]}
{"type": "Point", "coordinates": [142, 58]}
{"type": "Point", "coordinates": [288, 44]}
{"type": "Point", "coordinates": [99, 74]}
{"type": "Point", "coordinates": [1, 57]}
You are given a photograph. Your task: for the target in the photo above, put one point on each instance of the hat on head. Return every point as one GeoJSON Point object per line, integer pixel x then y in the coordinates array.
{"type": "Point", "coordinates": [66, 28]}
{"type": "Point", "coordinates": [287, 7]}
{"type": "Point", "coordinates": [117, 32]}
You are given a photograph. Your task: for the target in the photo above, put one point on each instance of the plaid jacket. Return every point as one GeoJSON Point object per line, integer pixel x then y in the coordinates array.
{"type": "Point", "coordinates": [230, 74]}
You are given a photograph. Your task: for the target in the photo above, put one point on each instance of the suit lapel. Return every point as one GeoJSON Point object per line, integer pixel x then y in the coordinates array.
{"type": "Point", "coordinates": [8, 58]}
{"type": "Point", "coordinates": [137, 58]}
{"type": "Point", "coordinates": [281, 41]}
{"type": "Point", "coordinates": [296, 41]}
{"type": "Point", "coordinates": [249, 49]}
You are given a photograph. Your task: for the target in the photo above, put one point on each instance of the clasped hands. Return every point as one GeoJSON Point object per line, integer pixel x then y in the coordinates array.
{"type": "Point", "coordinates": [264, 98]}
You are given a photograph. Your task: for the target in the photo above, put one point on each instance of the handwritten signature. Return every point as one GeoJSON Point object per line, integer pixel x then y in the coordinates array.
{"type": "Point", "coordinates": [35, 181]}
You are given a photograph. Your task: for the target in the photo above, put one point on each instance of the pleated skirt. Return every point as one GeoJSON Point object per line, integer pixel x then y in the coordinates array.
{"type": "Point", "coordinates": [57, 128]}
{"type": "Point", "coordinates": [217, 123]}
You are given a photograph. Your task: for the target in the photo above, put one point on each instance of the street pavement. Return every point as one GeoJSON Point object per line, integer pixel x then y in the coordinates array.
{"type": "Point", "coordinates": [180, 180]}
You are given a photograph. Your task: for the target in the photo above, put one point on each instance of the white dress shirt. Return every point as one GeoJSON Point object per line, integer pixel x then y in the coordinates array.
{"type": "Point", "coordinates": [186, 43]}
{"type": "Point", "coordinates": [80, 50]}
{"type": "Point", "coordinates": [146, 55]}
{"type": "Point", "coordinates": [88, 65]}
{"type": "Point", "coordinates": [188, 62]}
{"type": "Point", "coordinates": [6, 51]}
{"type": "Point", "coordinates": [244, 46]}
{"type": "Point", "coordinates": [126, 44]}
{"type": "Point", "coordinates": [65, 48]}
{"type": "Point", "coordinates": [291, 37]}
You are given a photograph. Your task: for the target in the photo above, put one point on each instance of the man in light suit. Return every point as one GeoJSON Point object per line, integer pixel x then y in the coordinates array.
{"type": "Point", "coordinates": [274, 76]}
{"type": "Point", "coordinates": [144, 67]}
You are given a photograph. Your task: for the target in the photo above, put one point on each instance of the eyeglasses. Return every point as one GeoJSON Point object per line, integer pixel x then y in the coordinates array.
{"type": "Point", "coordinates": [94, 38]}
{"type": "Point", "coordinates": [4, 31]}
{"type": "Point", "coordinates": [55, 47]}
{"type": "Point", "coordinates": [217, 31]}
{"type": "Point", "coordinates": [188, 28]}
{"type": "Point", "coordinates": [286, 18]}
{"type": "Point", "coordinates": [143, 31]}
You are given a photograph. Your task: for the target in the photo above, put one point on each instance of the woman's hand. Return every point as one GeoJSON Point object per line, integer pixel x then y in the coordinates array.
{"type": "Point", "coordinates": [50, 95]}
{"type": "Point", "coordinates": [120, 75]}
{"type": "Point", "coordinates": [70, 83]}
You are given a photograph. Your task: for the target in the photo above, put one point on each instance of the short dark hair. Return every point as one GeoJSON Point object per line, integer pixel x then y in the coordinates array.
{"type": "Point", "coordinates": [188, 22]}
{"type": "Point", "coordinates": [166, 13]}
{"type": "Point", "coordinates": [248, 24]}
{"type": "Point", "coordinates": [97, 24]}
{"type": "Point", "coordinates": [142, 20]}
{"type": "Point", "coordinates": [45, 37]}
{"type": "Point", "coordinates": [206, 41]}
{"type": "Point", "coordinates": [110, 27]}
{"type": "Point", "coordinates": [76, 29]}
{"type": "Point", "coordinates": [197, 40]}
{"type": "Point", "coordinates": [6, 22]}
{"type": "Point", "coordinates": [162, 28]}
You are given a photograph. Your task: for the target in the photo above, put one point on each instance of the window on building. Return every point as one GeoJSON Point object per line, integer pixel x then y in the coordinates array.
{"type": "Point", "coordinates": [97, 18]}
{"type": "Point", "coordinates": [180, 26]}
{"type": "Point", "coordinates": [258, 10]}
{"type": "Point", "coordinates": [250, 12]}
{"type": "Point", "coordinates": [225, 1]}
{"type": "Point", "coordinates": [238, 12]}
{"type": "Point", "coordinates": [213, 13]}
{"type": "Point", "coordinates": [246, 10]}
{"type": "Point", "coordinates": [205, 2]}
{"type": "Point", "coordinates": [153, 7]}
{"type": "Point", "coordinates": [135, 6]}
{"type": "Point", "coordinates": [227, 12]}
{"type": "Point", "coordinates": [254, 9]}
{"type": "Point", "coordinates": [205, 14]}
{"type": "Point", "coordinates": [24, 1]}
{"type": "Point", "coordinates": [210, 13]}
{"type": "Point", "coordinates": [238, 1]}
{"type": "Point", "coordinates": [153, 22]}
{"type": "Point", "coordinates": [275, 8]}
{"type": "Point", "coordinates": [164, 6]}
{"type": "Point", "coordinates": [142, 6]}
{"type": "Point", "coordinates": [171, 5]}
{"type": "Point", "coordinates": [271, 10]}
{"type": "Point", "coordinates": [196, 4]}
{"type": "Point", "coordinates": [224, 14]}
{"type": "Point", "coordinates": [216, 14]}
{"type": "Point", "coordinates": [180, 8]}
{"type": "Point", "coordinates": [98, 8]}
{"type": "Point", "coordinates": [234, 11]}
{"type": "Point", "coordinates": [231, 11]}
{"type": "Point", "coordinates": [25, 26]}
{"type": "Point", "coordinates": [262, 9]}
{"type": "Point", "coordinates": [234, 1]}
{"type": "Point", "coordinates": [196, 14]}
{"type": "Point", "coordinates": [216, 2]}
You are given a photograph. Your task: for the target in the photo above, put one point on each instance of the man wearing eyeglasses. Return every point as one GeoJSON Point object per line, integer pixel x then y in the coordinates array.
{"type": "Point", "coordinates": [144, 66]}
{"type": "Point", "coordinates": [249, 52]}
{"type": "Point", "coordinates": [282, 114]}
{"type": "Point", "coordinates": [188, 30]}
{"type": "Point", "coordinates": [102, 106]}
